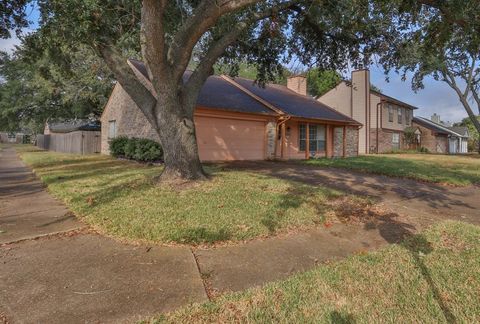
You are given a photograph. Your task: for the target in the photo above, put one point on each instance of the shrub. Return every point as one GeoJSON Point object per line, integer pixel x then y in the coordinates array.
{"type": "Point", "coordinates": [147, 150]}
{"type": "Point", "coordinates": [423, 150]}
{"type": "Point", "coordinates": [117, 146]}
{"type": "Point", "coordinates": [130, 148]}
{"type": "Point", "coordinates": [140, 149]}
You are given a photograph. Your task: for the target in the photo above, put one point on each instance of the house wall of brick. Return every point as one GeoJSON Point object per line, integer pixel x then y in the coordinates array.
{"type": "Point", "coordinates": [298, 84]}
{"type": "Point", "coordinates": [435, 143]}
{"type": "Point", "coordinates": [351, 148]}
{"type": "Point", "coordinates": [385, 140]}
{"type": "Point", "coordinates": [129, 120]}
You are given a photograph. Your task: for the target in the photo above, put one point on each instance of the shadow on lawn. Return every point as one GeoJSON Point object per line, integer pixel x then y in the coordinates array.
{"type": "Point", "coordinates": [418, 246]}
{"type": "Point", "coordinates": [298, 196]}
{"type": "Point", "coordinates": [356, 183]}
{"type": "Point", "coordinates": [337, 317]}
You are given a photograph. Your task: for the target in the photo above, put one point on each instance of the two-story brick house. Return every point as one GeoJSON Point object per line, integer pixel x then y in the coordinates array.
{"type": "Point", "coordinates": [384, 118]}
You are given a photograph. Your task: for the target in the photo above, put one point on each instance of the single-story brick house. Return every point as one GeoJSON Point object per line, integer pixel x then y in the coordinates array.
{"type": "Point", "coordinates": [439, 138]}
{"type": "Point", "coordinates": [383, 118]}
{"type": "Point", "coordinates": [238, 120]}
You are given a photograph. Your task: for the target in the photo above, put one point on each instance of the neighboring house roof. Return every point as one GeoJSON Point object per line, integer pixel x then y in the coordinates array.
{"type": "Point", "coordinates": [229, 94]}
{"type": "Point", "coordinates": [74, 125]}
{"type": "Point", "coordinates": [462, 130]}
{"type": "Point", "coordinates": [436, 127]}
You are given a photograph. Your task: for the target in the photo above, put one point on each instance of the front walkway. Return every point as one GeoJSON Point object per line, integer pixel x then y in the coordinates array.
{"type": "Point", "coordinates": [77, 276]}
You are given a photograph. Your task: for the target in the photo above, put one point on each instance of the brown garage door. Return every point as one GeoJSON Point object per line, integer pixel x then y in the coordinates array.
{"type": "Point", "coordinates": [221, 139]}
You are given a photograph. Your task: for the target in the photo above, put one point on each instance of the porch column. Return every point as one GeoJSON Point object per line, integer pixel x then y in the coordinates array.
{"type": "Point", "coordinates": [282, 142]}
{"type": "Point", "coordinates": [327, 141]}
{"type": "Point", "coordinates": [344, 141]}
{"type": "Point", "coordinates": [307, 141]}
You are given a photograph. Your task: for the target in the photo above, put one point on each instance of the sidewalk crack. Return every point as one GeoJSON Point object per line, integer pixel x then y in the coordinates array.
{"type": "Point", "coordinates": [204, 277]}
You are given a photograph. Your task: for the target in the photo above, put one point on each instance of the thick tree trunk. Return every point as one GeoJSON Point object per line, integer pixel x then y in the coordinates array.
{"type": "Point", "coordinates": [176, 130]}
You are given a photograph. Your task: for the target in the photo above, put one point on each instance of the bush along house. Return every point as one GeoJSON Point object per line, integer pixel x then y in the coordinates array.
{"type": "Point", "coordinates": [236, 119]}
{"type": "Point", "coordinates": [383, 118]}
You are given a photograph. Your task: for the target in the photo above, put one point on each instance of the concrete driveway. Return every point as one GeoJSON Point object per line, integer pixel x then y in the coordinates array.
{"type": "Point", "coordinates": [54, 269]}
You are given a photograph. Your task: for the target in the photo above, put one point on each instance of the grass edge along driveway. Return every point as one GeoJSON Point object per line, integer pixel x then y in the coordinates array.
{"type": "Point", "coordinates": [443, 169]}
{"type": "Point", "coordinates": [432, 277]}
{"type": "Point", "coordinates": [120, 198]}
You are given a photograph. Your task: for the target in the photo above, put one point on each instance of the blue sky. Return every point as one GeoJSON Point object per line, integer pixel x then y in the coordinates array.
{"type": "Point", "coordinates": [436, 97]}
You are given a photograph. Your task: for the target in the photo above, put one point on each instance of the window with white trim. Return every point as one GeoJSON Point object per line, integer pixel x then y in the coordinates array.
{"type": "Point", "coordinates": [390, 113]}
{"type": "Point", "coordinates": [112, 128]}
{"type": "Point", "coordinates": [395, 141]}
{"type": "Point", "coordinates": [400, 115]}
{"type": "Point", "coordinates": [316, 137]}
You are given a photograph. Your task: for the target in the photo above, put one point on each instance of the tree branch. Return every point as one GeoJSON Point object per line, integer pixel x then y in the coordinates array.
{"type": "Point", "coordinates": [449, 78]}
{"type": "Point", "coordinates": [193, 86]}
{"type": "Point", "coordinates": [445, 11]}
{"type": "Point", "coordinates": [142, 97]}
{"type": "Point", "coordinates": [153, 38]}
{"type": "Point", "coordinates": [205, 15]}
{"type": "Point", "coordinates": [468, 79]}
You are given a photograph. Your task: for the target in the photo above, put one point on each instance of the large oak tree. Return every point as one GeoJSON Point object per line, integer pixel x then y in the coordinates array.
{"type": "Point", "coordinates": [172, 34]}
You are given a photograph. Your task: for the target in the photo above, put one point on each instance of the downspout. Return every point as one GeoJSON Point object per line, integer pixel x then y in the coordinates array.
{"type": "Point", "coordinates": [377, 135]}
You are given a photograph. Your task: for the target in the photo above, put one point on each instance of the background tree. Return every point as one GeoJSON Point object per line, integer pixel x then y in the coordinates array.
{"type": "Point", "coordinates": [12, 17]}
{"type": "Point", "coordinates": [473, 141]}
{"type": "Point", "coordinates": [320, 82]}
{"type": "Point", "coordinates": [444, 42]}
{"type": "Point", "coordinates": [39, 83]}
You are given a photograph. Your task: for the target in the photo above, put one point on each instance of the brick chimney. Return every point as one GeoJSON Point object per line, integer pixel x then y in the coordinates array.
{"type": "Point", "coordinates": [298, 84]}
{"type": "Point", "coordinates": [361, 109]}
{"type": "Point", "coordinates": [436, 118]}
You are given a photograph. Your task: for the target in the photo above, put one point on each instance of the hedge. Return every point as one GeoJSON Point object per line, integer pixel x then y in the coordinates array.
{"type": "Point", "coordinates": [139, 149]}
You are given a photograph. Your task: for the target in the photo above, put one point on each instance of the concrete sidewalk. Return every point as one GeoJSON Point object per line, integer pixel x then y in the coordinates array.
{"type": "Point", "coordinates": [78, 277]}
{"type": "Point", "coordinates": [72, 277]}
{"type": "Point", "coordinates": [26, 209]}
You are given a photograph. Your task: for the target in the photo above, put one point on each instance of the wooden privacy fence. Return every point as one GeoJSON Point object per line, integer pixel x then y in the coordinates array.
{"type": "Point", "coordinates": [78, 142]}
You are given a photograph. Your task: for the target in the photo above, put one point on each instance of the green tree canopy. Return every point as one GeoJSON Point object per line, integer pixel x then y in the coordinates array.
{"type": "Point", "coordinates": [41, 82]}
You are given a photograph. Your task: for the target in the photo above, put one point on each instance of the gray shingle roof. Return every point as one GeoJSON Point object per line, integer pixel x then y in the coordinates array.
{"type": "Point", "coordinates": [437, 127]}
{"type": "Point", "coordinates": [462, 130]}
{"type": "Point", "coordinates": [74, 125]}
{"type": "Point", "coordinates": [219, 93]}
{"type": "Point", "coordinates": [292, 103]}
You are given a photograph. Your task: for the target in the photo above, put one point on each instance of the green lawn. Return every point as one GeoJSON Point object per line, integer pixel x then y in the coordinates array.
{"type": "Point", "coordinates": [121, 198]}
{"type": "Point", "coordinates": [445, 169]}
{"type": "Point", "coordinates": [430, 278]}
